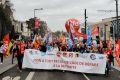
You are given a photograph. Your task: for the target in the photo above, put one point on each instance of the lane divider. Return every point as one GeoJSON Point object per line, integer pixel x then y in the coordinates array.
{"type": "Point", "coordinates": [30, 76]}
{"type": "Point", "coordinates": [87, 78]}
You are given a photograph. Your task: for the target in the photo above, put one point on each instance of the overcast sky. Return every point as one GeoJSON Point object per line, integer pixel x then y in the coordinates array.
{"type": "Point", "coordinates": [56, 12]}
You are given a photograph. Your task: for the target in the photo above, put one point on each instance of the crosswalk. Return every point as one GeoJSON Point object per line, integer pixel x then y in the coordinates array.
{"type": "Point", "coordinates": [11, 78]}
{"type": "Point", "coordinates": [31, 75]}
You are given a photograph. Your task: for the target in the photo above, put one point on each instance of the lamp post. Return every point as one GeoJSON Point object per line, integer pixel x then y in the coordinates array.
{"type": "Point", "coordinates": [117, 20]}
{"type": "Point", "coordinates": [85, 22]}
{"type": "Point", "coordinates": [36, 30]}
{"type": "Point", "coordinates": [37, 10]}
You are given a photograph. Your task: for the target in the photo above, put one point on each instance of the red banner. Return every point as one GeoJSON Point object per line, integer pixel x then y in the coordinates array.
{"type": "Point", "coordinates": [116, 52]}
{"type": "Point", "coordinates": [36, 23]}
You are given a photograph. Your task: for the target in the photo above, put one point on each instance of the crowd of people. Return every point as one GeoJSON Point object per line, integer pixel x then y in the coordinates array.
{"type": "Point", "coordinates": [98, 47]}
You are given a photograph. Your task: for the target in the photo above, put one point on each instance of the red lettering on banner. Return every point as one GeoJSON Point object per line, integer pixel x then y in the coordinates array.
{"type": "Point", "coordinates": [42, 60]}
{"type": "Point", "coordinates": [74, 67]}
{"type": "Point", "coordinates": [63, 66]}
{"type": "Point", "coordinates": [58, 54]}
{"type": "Point", "coordinates": [81, 63]}
{"type": "Point", "coordinates": [59, 66]}
{"type": "Point", "coordinates": [64, 54]}
{"type": "Point", "coordinates": [54, 65]}
{"type": "Point", "coordinates": [37, 60]}
{"type": "Point", "coordinates": [73, 62]}
{"type": "Point", "coordinates": [66, 62]}
{"type": "Point", "coordinates": [76, 63]}
{"type": "Point", "coordinates": [48, 61]}
{"type": "Point", "coordinates": [55, 61]}
{"type": "Point", "coordinates": [91, 64]}
{"type": "Point", "coordinates": [71, 55]}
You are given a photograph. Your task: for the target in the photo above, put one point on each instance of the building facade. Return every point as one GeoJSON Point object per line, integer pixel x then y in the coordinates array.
{"type": "Point", "coordinates": [107, 28]}
{"type": "Point", "coordinates": [21, 28]}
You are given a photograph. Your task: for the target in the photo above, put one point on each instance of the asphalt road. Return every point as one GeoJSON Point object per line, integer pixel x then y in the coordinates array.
{"type": "Point", "coordinates": [28, 74]}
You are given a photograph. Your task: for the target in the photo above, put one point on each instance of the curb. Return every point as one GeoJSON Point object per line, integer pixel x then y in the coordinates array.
{"type": "Point", "coordinates": [7, 68]}
{"type": "Point", "coordinates": [117, 68]}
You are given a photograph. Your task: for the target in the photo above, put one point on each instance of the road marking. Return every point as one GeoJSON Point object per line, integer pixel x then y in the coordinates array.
{"type": "Point", "coordinates": [30, 76]}
{"type": "Point", "coordinates": [86, 76]}
{"type": "Point", "coordinates": [6, 78]}
{"type": "Point", "coordinates": [17, 78]}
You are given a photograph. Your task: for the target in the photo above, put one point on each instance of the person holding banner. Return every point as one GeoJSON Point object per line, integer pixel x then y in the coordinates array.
{"type": "Point", "coordinates": [108, 62]}
{"type": "Point", "coordinates": [1, 52]}
{"type": "Point", "coordinates": [42, 47]}
{"type": "Point", "coordinates": [55, 47]}
{"type": "Point", "coordinates": [18, 55]}
{"type": "Point", "coordinates": [82, 48]}
{"type": "Point", "coordinates": [14, 51]}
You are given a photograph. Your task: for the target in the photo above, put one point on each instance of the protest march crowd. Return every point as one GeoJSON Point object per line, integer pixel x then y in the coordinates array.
{"type": "Point", "coordinates": [96, 46]}
{"type": "Point", "coordinates": [59, 44]}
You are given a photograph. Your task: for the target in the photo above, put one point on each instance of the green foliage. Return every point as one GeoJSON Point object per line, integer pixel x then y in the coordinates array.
{"type": "Point", "coordinates": [6, 24]}
{"type": "Point", "coordinates": [30, 23]}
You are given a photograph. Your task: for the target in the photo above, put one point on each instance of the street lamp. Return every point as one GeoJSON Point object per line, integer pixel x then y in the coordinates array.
{"type": "Point", "coordinates": [117, 19]}
{"type": "Point", "coordinates": [36, 30]}
{"type": "Point", "coordinates": [37, 10]}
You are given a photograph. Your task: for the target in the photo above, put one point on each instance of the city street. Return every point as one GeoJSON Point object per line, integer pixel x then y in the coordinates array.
{"type": "Point", "coordinates": [28, 74]}
{"type": "Point", "coordinates": [59, 40]}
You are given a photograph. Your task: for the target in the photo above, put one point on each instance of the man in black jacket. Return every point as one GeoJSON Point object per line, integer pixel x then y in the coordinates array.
{"type": "Point", "coordinates": [43, 47]}
{"type": "Point", "coordinates": [1, 52]}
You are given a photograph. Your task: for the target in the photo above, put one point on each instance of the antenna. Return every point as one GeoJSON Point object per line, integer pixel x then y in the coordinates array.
{"type": "Point", "coordinates": [107, 11]}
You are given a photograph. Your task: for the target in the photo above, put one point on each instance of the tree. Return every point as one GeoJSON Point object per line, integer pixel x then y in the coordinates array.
{"type": "Point", "coordinates": [42, 27]}
{"type": "Point", "coordinates": [5, 21]}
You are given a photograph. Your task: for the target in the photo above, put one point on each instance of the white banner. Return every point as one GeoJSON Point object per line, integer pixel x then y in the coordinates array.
{"type": "Point", "coordinates": [71, 61]}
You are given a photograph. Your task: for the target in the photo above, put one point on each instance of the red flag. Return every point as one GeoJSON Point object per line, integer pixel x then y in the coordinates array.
{"type": "Point", "coordinates": [6, 38]}
{"type": "Point", "coordinates": [72, 24]}
{"type": "Point", "coordinates": [81, 35]}
{"type": "Point", "coordinates": [36, 23]}
{"type": "Point", "coordinates": [116, 52]}
{"type": "Point", "coordinates": [6, 42]}
{"type": "Point", "coordinates": [95, 31]}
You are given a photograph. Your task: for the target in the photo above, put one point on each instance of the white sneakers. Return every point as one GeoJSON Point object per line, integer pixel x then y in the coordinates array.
{"type": "Point", "coordinates": [1, 63]}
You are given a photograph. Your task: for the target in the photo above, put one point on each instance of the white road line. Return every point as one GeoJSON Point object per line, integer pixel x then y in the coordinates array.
{"type": "Point", "coordinates": [86, 76]}
{"type": "Point", "coordinates": [16, 78]}
{"type": "Point", "coordinates": [6, 78]}
{"type": "Point", "coordinates": [30, 76]}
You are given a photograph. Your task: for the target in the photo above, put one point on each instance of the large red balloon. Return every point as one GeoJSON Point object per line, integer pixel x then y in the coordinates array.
{"type": "Point", "coordinates": [74, 23]}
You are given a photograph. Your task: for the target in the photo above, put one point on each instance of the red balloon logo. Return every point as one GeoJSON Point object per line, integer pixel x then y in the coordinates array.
{"type": "Point", "coordinates": [72, 23]}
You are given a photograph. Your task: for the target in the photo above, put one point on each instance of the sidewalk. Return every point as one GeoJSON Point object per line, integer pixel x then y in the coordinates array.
{"type": "Point", "coordinates": [7, 64]}
{"type": "Point", "coordinates": [116, 66]}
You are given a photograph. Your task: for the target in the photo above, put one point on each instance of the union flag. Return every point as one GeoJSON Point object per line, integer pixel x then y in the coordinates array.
{"type": "Point", "coordinates": [116, 52]}
{"type": "Point", "coordinates": [95, 31]}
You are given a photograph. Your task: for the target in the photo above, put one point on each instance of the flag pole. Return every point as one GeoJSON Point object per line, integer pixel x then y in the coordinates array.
{"type": "Point", "coordinates": [114, 36]}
